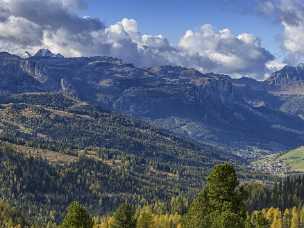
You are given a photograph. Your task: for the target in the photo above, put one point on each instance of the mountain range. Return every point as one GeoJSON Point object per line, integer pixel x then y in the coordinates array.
{"type": "Point", "coordinates": [243, 116]}
{"type": "Point", "coordinates": [103, 132]}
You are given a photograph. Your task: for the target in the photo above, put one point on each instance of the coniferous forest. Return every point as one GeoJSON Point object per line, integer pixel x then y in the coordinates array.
{"type": "Point", "coordinates": [151, 114]}
{"type": "Point", "coordinates": [222, 202]}
{"type": "Point", "coordinates": [67, 164]}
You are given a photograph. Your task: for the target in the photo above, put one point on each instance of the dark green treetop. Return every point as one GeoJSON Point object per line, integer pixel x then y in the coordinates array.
{"type": "Point", "coordinates": [220, 204]}
{"type": "Point", "coordinates": [124, 217]}
{"type": "Point", "coordinates": [77, 217]}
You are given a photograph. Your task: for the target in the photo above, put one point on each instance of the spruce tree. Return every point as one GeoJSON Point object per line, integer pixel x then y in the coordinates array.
{"type": "Point", "coordinates": [145, 218]}
{"type": "Point", "coordinates": [220, 200]}
{"type": "Point", "coordinates": [124, 217]}
{"type": "Point", "coordinates": [77, 217]}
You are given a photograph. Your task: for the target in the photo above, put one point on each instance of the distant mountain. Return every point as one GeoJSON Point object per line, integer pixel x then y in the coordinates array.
{"type": "Point", "coordinates": [239, 114]}
{"type": "Point", "coordinates": [289, 80]}
{"type": "Point", "coordinates": [288, 85]}
{"type": "Point", "coordinates": [47, 54]}
{"type": "Point", "coordinates": [243, 116]}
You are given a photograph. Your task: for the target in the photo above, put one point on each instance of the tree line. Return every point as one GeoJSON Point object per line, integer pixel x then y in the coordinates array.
{"type": "Point", "coordinates": [220, 204]}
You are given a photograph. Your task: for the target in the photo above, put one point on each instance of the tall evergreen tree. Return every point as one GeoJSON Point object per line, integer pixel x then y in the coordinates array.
{"type": "Point", "coordinates": [145, 218]}
{"type": "Point", "coordinates": [220, 200]}
{"type": "Point", "coordinates": [77, 217]}
{"type": "Point", "coordinates": [197, 213]}
{"type": "Point", "coordinates": [124, 217]}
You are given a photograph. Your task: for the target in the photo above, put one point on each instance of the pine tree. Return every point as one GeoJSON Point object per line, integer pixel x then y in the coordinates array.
{"type": "Point", "coordinates": [159, 207]}
{"type": "Point", "coordinates": [77, 217]}
{"type": "Point", "coordinates": [178, 205]}
{"type": "Point", "coordinates": [198, 212]}
{"type": "Point", "coordinates": [248, 223]}
{"type": "Point", "coordinates": [124, 217]}
{"type": "Point", "coordinates": [220, 200]}
{"type": "Point", "coordinates": [226, 219]}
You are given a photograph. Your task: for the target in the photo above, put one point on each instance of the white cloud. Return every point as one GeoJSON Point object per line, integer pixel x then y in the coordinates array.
{"type": "Point", "coordinates": [20, 30]}
{"type": "Point", "coordinates": [26, 25]}
{"type": "Point", "coordinates": [275, 65]}
{"type": "Point", "coordinates": [129, 25]}
{"type": "Point", "coordinates": [241, 54]}
{"type": "Point", "coordinates": [290, 13]}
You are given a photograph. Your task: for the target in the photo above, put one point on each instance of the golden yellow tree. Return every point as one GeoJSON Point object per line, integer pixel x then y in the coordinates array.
{"type": "Point", "coordinates": [145, 218]}
{"type": "Point", "coordinates": [302, 217]}
{"type": "Point", "coordinates": [269, 214]}
{"type": "Point", "coordinates": [277, 219]}
{"type": "Point", "coordinates": [286, 218]}
{"type": "Point", "coordinates": [104, 223]}
{"type": "Point", "coordinates": [295, 218]}
{"type": "Point", "coordinates": [167, 221]}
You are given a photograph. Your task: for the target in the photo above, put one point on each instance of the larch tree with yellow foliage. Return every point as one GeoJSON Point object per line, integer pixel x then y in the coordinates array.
{"type": "Point", "coordinates": [295, 219]}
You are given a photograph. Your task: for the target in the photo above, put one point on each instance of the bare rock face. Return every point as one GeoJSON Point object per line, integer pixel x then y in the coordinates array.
{"type": "Point", "coordinates": [45, 53]}
{"type": "Point", "coordinates": [213, 108]}
{"type": "Point", "coordinates": [288, 85]}
{"type": "Point", "coordinates": [289, 80]}
{"type": "Point", "coordinates": [13, 78]}
{"type": "Point", "coordinates": [35, 70]}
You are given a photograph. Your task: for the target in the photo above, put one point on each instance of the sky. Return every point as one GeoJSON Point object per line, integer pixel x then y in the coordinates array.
{"type": "Point", "coordinates": [173, 17]}
{"type": "Point", "coordinates": [236, 37]}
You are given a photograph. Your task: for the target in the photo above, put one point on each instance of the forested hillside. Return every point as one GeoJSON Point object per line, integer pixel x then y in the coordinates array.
{"type": "Point", "coordinates": [55, 149]}
{"type": "Point", "coordinates": [222, 203]}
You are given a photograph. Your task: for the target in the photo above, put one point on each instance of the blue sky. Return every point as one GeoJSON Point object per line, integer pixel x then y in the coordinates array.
{"type": "Point", "coordinates": [172, 18]}
{"type": "Point", "coordinates": [237, 37]}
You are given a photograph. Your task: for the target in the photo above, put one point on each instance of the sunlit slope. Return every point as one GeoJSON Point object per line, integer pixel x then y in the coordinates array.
{"type": "Point", "coordinates": [294, 159]}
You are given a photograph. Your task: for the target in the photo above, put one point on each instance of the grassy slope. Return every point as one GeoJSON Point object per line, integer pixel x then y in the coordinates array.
{"type": "Point", "coordinates": [283, 163]}
{"type": "Point", "coordinates": [294, 159]}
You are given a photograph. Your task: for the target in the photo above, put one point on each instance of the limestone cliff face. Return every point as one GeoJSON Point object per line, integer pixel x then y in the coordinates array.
{"type": "Point", "coordinates": [35, 70]}
{"type": "Point", "coordinates": [13, 77]}
{"type": "Point", "coordinates": [289, 80]}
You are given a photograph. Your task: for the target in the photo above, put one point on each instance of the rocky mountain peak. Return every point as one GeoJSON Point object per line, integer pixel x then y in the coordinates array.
{"type": "Point", "coordinates": [287, 77]}
{"type": "Point", "coordinates": [47, 53]}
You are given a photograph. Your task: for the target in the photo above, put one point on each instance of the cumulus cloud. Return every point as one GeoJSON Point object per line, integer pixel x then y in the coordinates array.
{"type": "Point", "coordinates": [242, 54]}
{"type": "Point", "coordinates": [27, 25]}
{"type": "Point", "coordinates": [290, 13]}
{"type": "Point", "coordinates": [53, 14]}
{"type": "Point", "coordinates": [20, 30]}
{"type": "Point", "coordinates": [275, 65]}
